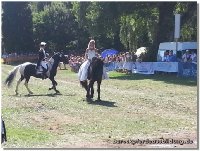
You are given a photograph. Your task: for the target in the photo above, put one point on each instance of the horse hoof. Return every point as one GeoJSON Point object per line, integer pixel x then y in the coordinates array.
{"type": "Point", "coordinates": [50, 88]}
{"type": "Point", "coordinates": [98, 99]}
{"type": "Point", "coordinates": [16, 93]}
{"type": "Point", "coordinates": [89, 99]}
{"type": "Point", "coordinates": [57, 92]}
{"type": "Point", "coordinates": [30, 92]}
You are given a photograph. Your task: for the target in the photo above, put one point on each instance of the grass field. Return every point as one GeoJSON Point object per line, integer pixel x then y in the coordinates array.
{"type": "Point", "coordinates": [132, 107]}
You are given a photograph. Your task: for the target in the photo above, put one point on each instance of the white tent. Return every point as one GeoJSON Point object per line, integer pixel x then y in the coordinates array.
{"type": "Point", "coordinates": [140, 51]}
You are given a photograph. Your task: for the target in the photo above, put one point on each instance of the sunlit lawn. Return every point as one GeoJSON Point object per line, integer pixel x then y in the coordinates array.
{"type": "Point", "coordinates": [133, 106]}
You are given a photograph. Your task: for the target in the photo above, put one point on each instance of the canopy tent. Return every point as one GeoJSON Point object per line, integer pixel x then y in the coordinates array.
{"type": "Point", "coordinates": [109, 52]}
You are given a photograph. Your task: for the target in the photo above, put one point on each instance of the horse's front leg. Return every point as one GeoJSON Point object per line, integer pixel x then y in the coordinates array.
{"type": "Point", "coordinates": [88, 91]}
{"type": "Point", "coordinates": [98, 89]}
{"type": "Point", "coordinates": [54, 83]}
{"type": "Point", "coordinates": [92, 89]}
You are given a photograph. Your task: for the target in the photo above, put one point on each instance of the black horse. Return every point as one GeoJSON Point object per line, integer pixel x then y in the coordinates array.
{"type": "Point", "coordinates": [95, 72]}
{"type": "Point", "coordinates": [64, 60]}
{"type": "Point", "coordinates": [28, 69]}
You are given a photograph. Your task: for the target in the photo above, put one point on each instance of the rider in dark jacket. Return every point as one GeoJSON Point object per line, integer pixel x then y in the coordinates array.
{"type": "Point", "coordinates": [42, 57]}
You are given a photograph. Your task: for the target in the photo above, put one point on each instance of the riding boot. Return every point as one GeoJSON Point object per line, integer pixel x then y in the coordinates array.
{"type": "Point", "coordinates": [44, 76]}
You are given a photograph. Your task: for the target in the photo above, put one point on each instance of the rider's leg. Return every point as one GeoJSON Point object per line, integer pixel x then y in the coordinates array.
{"type": "Point", "coordinates": [44, 69]}
{"type": "Point", "coordinates": [44, 73]}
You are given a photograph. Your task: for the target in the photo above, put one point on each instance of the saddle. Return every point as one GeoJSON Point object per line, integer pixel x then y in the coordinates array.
{"type": "Point", "coordinates": [43, 65]}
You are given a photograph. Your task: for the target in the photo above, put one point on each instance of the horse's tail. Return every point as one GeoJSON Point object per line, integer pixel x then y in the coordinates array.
{"type": "Point", "coordinates": [11, 76]}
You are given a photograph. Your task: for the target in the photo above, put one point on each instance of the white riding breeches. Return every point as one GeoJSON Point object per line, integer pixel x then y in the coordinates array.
{"type": "Point", "coordinates": [83, 71]}
{"type": "Point", "coordinates": [44, 64]}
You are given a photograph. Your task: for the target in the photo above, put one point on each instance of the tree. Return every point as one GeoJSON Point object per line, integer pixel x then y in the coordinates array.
{"type": "Point", "coordinates": [188, 11]}
{"type": "Point", "coordinates": [99, 22]}
{"type": "Point", "coordinates": [164, 28]}
{"type": "Point", "coordinates": [17, 28]}
{"type": "Point", "coordinates": [56, 25]}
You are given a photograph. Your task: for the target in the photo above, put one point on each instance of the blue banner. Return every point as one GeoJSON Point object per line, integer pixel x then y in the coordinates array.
{"type": "Point", "coordinates": [166, 66]}
{"type": "Point", "coordinates": [183, 69]}
{"type": "Point", "coordinates": [187, 69]}
{"type": "Point", "coordinates": [143, 68]}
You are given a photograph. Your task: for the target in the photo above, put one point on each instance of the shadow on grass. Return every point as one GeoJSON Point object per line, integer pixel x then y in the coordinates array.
{"type": "Point", "coordinates": [50, 95]}
{"type": "Point", "coordinates": [167, 78]}
{"type": "Point", "coordinates": [101, 102]}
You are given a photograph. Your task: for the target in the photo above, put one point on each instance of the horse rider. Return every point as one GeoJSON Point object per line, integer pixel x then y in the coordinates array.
{"type": "Point", "coordinates": [41, 63]}
{"type": "Point", "coordinates": [90, 53]}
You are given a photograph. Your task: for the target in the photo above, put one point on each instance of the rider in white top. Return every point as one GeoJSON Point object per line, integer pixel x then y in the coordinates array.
{"type": "Point", "coordinates": [91, 52]}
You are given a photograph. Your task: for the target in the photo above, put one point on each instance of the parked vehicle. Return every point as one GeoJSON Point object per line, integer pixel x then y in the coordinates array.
{"type": "Point", "coordinates": [178, 49]}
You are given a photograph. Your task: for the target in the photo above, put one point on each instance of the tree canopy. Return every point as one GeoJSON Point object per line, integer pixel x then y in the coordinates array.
{"type": "Point", "coordinates": [68, 26]}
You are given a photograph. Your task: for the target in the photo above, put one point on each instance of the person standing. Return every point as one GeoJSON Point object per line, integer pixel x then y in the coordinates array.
{"type": "Point", "coordinates": [186, 56]}
{"type": "Point", "coordinates": [172, 57]}
{"type": "Point", "coordinates": [193, 57]}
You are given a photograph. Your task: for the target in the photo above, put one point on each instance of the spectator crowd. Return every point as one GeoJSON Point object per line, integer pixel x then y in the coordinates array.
{"type": "Point", "coordinates": [9, 58]}
{"type": "Point", "coordinates": [185, 56]}
{"type": "Point", "coordinates": [121, 62]}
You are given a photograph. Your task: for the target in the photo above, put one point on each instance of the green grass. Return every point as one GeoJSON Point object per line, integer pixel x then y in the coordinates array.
{"type": "Point", "coordinates": [26, 137]}
{"type": "Point", "coordinates": [133, 106]}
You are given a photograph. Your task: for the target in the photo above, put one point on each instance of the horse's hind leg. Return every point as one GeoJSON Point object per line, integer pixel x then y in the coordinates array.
{"type": "Point", "coordinates": [92, 89]}
{"type": "Point", "coordinates": [88, 91]}
{"type": "Point", "coordinates": [26, 84]}
{"type": "Point", "coordinates": [65, 66]}
{"type": "Point", "coordinates": [18, 82]}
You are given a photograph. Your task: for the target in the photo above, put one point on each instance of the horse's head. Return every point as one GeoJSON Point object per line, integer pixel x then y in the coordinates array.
{"type": "Point", "coordinates": [57, 56]}
{"type": "Point", "coordinates": [96, 62]}
{"type": "Point", "coordinates": [96, 66]}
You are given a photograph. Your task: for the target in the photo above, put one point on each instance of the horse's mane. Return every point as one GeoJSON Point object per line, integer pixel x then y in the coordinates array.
{"type": "Point", "coordinates": [96, 63]}
{"type": "Point", "coordinates": [56, 58]}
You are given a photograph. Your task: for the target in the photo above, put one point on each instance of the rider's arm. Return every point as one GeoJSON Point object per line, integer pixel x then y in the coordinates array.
{"type": "Point", "coordinates": [96, 52]}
